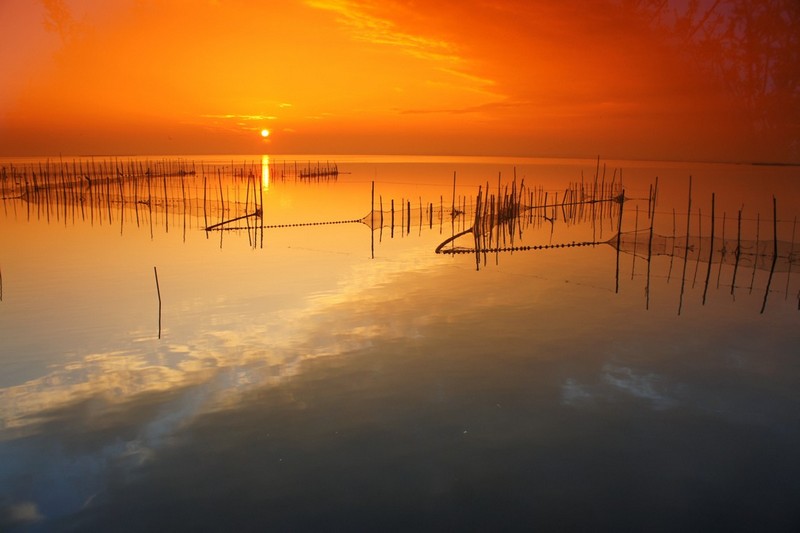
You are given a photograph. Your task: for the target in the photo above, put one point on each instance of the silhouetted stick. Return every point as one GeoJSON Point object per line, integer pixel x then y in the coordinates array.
{"type": "Point", "coordinates": [261, 210]}
{"type": "Point", "coordinates": [619, 237]}
{"type": "Point", "coordinates": [635, 240]}
{"type": "Point", "coordinates": [158, 292]}
{"type": "Point", "coordinates": [723, 251]}
{"type": "Point", "coordinates": [711, 251]}
{"type": "Point", "coordinates": [686, 251]}
{"type": "Point", "coordinates": [652, 216]}
{"type": "Point", "coordinates": [774, 251]}
{"type": "Point", "coordinates": [738, 251]}
{"type": "Point", "coordinates": [476, 232]}
{"type": "Point", "coordinates": [408, 217]}
{"type": "Point", "coordinates": [453, 206]}
{"type": "Point", "coordinates": [215, 226]}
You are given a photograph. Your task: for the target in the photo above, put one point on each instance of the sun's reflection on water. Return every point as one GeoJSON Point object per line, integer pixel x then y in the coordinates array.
{"type": "Point", "coordinates": [265, 172]}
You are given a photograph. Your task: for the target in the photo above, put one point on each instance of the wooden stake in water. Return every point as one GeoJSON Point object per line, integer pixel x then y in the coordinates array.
{"type": "Point", "coordinates": [774, 251]}
{"type": "Point", "coordinates": [711, 251]}
{"type": "Point", "coordinates": [686, 251]}
{"type": "Point", "coordinates": [619, 237]}
{"type": "Point", "coordinates": [652, 216]}
{"type": "Point", "coordinates": [453, 207]}
{"type": "Point", "coordinates": [738, 251]}
{"type": "Point", "coordinates": [158, 292]}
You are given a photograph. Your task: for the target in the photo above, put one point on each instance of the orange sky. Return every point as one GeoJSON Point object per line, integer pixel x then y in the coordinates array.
{"type": "Point", "coordinates": [465, 77]}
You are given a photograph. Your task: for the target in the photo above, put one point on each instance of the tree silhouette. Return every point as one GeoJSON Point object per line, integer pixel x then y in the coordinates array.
{"type": "Point", "coordinates": [753, 47]}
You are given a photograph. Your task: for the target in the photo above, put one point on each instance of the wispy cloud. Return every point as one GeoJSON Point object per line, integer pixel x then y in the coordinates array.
{"type": "Point", "coordinates": [372, 28]}
{"type": "Point", "coordinates": [482, 108]}
{"type": "Point", "coordinates": [242, 117]}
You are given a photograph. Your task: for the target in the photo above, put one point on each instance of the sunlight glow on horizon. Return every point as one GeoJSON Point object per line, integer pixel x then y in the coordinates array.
{"type": "Point", "coordinates": [506, 78]}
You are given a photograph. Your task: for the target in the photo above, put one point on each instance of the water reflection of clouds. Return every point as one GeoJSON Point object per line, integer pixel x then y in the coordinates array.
{"type": "Point", "coordinates": [114, 410]}
{"type": "Point", "coordinates": [227, 358]}
{"type": "Point", "coordinates": [617, 381]}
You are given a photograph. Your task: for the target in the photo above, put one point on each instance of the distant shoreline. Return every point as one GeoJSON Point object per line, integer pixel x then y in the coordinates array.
{"type": "Point", "coordinates": [371, 158]}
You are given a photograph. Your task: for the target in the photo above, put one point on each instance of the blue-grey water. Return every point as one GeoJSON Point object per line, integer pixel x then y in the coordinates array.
{"type": "Point", "coordinates": [306, 372]}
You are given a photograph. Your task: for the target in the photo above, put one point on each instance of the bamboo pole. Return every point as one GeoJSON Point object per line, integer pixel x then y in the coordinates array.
{"type": "Point", "coordinates": [158, 293]}
{"type": "Point", "coordinates": [710, 252]}
{"type": "Point", "coordinates": [408, 218]}
{"type": "Point", "coordinates": [686, 251]}
{"type": "Point", "coordinates": [619, 238]}
{"type": "Point", "coordinates": [738, 251]}
{"type": "Point", "coordinates": [774, 252]}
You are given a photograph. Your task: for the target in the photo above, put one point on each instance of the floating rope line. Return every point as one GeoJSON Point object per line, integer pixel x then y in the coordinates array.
{"type": "Point", "coordinates": [218, 227]}
{"type": "Point", "coordinates": [518, 248]}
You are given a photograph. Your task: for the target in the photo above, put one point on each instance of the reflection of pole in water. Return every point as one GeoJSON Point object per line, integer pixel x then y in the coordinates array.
{"type": "Point", "coordinates": [686, 251]}
{"type": "Point", "coordinates": [619, 237]}
{"type": "Point", "coordinates": [738, 250]}
{"type": "Point", "coordinates": [652, 216]}
{"type": "Point", "coordinates": [635, 230]}
{"type": "Point", "coordinates": [672, 256]}
{"type": "Point", "coordinates": [774, 251]}
{"type": "Point", "coordinates": [710, 252]}
{"type": "Point", "coordinates": [158, 293]}
{"type": "Point", "coordinates": [724, 249]}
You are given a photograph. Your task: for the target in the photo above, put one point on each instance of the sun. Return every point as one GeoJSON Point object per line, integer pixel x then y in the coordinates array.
{"type": "Point", "coordinates": [265, 133]}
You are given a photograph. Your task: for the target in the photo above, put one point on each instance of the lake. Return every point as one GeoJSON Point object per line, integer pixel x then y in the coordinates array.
{"type": "Point", "coordinates": [394, 343]}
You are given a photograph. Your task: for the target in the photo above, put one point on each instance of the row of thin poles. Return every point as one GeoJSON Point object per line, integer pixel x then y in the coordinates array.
{"type": "Point", "coordinates": [157, 193]}
{"type": "Point", "coordinates": [764, 253]}
{"type": "Point", "coordinates": [307, 171]}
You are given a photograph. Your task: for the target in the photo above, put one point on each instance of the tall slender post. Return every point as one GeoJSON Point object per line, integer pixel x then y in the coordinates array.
{"type": "Point", "coordinates": [686, 250]}
{"type": "Point", "coordinates": [158, 292]}
{"type": "Point", "coordinates": [738, 251]}
{"type": "Point", "coordinates": [711, 251]}
{"type": "Point", "coordinates": [652, 216]}
{"type": "Point", "coordinates": [774, 251]}
{"type": "Point", "coordinates": [619, 238]}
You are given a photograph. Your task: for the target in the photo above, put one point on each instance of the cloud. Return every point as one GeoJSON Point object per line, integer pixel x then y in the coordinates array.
{"type": "Point", "coordinates": [17, 514]}
{"type": "Point", "coordinates": [648, 386]}
{"type": "Point", "coordinates": [616, 381]}
{"type": "Point", "coordinates": [375, 29]}
{"type": "Point", "coordinates": [482, 108]}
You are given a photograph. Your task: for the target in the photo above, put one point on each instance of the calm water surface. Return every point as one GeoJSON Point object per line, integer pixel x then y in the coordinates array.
{"type": "Point", "coordinates": [310, 373]}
